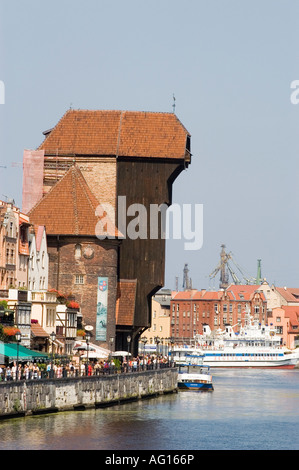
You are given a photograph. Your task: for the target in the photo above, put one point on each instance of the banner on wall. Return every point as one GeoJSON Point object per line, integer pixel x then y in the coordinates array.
{"type": "Point", "coordinates": [102, 304]}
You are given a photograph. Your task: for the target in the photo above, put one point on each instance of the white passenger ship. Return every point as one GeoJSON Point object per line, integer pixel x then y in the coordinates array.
{"type": "Point", "coordinates": [253, 346]}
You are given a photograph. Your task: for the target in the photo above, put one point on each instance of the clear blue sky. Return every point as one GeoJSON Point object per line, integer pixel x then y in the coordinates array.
{"type": "Point", "coordinates": [229, 63]}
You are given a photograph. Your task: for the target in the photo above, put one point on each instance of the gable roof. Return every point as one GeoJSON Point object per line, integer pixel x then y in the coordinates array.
{"type": "Point", "coordinates": [120, 133]}
{"type": "Point", "coordinates": [245, 291]}
{"type": "Point", "coordinates": [69, 208]}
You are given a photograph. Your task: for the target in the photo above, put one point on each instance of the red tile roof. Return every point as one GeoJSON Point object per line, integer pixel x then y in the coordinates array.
{"type": "Point", "coordinates": [289, 294]}
{"type": "Point", "coordinates": [125, 302]}
{"type": "Point", "coordinates": [233, 292]}
{"type": "Point", "coordinates": [245, 290]}
{"type": "Point", "coordinates": [121, 133]}
{"type": "Point", "coordinates": [292, 312]}
{"type": "Point", "coordinates": [182, 295]}
{"type": "Point", "coordinates": [212, 295]}
{"type": "Point", "coordinates": [69, 208]}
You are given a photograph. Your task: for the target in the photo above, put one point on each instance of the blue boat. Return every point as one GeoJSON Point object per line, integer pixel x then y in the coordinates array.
{"type": "Point", "coordinates": [194, 375]}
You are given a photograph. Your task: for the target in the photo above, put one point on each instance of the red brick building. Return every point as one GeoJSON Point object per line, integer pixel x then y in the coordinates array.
{"type": "Point", "coordinates": [191, 309]}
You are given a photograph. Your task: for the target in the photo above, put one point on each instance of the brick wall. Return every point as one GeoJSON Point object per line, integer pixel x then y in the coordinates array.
{"type": "Point", "coordinates": [188, 316]}
{"type": "Point", "coordinates": [97, 259]}
{"type": "Point", "coordinates": [99, 173]}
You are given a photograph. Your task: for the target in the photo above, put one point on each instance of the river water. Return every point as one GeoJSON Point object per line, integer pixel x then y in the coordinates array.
{"type": "Point", "coordinates": [248, 410]}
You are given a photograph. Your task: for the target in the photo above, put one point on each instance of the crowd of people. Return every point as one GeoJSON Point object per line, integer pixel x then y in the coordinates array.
{"type": "Point", "coordinates": [60, 369]}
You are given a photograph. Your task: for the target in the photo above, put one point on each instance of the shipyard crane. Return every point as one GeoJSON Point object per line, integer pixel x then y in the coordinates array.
{"type": "Point", "coordinates": [224, 277]}
{"type": "Point", "coordinates": [187, 282]}
{"type": "Point", "coordinates": [225, 269]}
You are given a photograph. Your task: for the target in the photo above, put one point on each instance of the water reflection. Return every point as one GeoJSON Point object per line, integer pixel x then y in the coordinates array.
{"type": "Point", "coordinates": [248, 409]}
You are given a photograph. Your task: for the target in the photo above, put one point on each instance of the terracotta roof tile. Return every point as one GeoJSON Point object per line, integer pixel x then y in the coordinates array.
{"type": "Point", "coordinates": [121, 133]}
{"type": "Point", "coordinates": [125, 302]}
{"type": "Point", "coordinates": [245, 290]}
{"type": "Point", "coordinates": [289, 294]}
{"type": "Point", "coordinates": [212, 295]}
{"type": "Point", "coordinates": [69, 208]}
{"type": "Point", "coordinates": [182, 295]}
{"type": "Point", "coordinates": [292, 312]}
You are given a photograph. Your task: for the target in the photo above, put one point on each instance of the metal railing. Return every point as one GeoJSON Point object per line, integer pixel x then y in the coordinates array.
{"type": "Point", "coordinates": [85, 370]}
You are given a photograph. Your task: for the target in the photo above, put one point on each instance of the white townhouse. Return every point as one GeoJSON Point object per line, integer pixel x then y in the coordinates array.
{"type": "Point", "coordinates": [38, 260]}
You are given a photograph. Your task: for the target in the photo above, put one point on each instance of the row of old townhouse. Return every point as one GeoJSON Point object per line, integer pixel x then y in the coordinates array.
{"type": "Point", "coordinates": [26, 302]}
{"type": "Point", "coordinates": [23, 253]}
{"type": "Point", "coordinates": [177, 317]}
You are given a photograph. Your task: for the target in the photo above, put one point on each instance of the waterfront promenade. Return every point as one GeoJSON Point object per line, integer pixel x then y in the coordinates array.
{"type": "Point", "coordinates": [63, 369]}
{"type": "Point", "coordinates": [67, 390]}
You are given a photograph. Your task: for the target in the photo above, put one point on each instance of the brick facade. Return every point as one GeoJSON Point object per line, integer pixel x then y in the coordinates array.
{"type": "Point", "coordinates": [189, 310]}
{"type": "Point", "coordinates": [70, 257]}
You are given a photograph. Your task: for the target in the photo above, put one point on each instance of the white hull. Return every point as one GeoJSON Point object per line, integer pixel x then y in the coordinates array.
{"type": "Point", "coordinates": [194, 375]}
{"type": "Point", "coordinates": [240, 357]}
{"type": "Point", "coordinates": [285, 363]}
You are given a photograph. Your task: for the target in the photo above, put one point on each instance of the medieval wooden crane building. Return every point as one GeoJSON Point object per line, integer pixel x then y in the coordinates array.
{"type": "Point", "coordinates": [86, 161]}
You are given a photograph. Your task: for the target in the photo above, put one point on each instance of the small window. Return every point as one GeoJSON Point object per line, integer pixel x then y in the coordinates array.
{"type": "Point", "coordinates": [78, 251]}
{"type": "Point", "coordinates": [79, 279]}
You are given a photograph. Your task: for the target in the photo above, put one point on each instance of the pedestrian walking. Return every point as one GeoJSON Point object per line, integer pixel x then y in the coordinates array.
{"type": "Point", "coordinates": [8, 375]}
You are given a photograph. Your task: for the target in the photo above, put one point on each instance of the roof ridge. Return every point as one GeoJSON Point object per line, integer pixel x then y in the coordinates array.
{"type": "Point", "coordinates": [143, 134]}
{"type": "Point", "coordinates": [75, 200]}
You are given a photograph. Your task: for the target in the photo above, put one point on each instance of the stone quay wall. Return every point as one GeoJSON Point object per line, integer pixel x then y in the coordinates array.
{"type": "Point", "coordinates": [22, 398]}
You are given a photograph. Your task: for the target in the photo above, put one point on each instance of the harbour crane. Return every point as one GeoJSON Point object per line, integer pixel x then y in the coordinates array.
{"type": "Point", "coordinates": [226, 269]}
{"type": "Point", "coordinates": [187, 282]}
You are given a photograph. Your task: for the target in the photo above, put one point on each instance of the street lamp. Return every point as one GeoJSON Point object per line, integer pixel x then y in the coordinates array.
{"type": "Point", "coordinates": [162, 346]}
{"type": "Point", "coordinates": [87, 339]}
{"type": "Point", "coordinates": [53, 337]}
{"type": "Point", "coordinates": [157, 341]}
{"type": "Point", "coordinates": [129, 341]}
{"type": "Point", "coordinates": [172, 343]}
{"type": "Point", "coordinates": [144, 341]}
{"type": "Point", "coordinates": [18, 338]}
{"type": "Point", "coordinates": [111, 341]}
